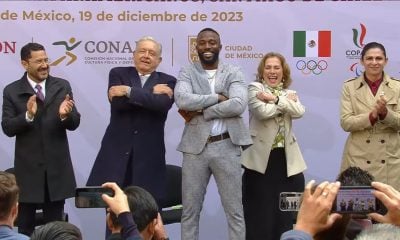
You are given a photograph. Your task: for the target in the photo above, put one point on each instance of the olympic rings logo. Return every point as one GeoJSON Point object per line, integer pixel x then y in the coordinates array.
{"type": "Point", "coordinates": [312, 66]}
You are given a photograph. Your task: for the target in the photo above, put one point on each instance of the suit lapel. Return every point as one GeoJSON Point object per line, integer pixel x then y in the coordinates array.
{"type": "Point", "coordinates": [386, 88]}
{"type": "Point", "coordinates": [219, 79]}
{"type": "Point", "coordinates": [363, 93]}
{"type": "Point", "coordinates": [134, 78]}
{"type": "Point", "coordinates": [365, 96]}
{"type": "Point", "coordinates": [152, 80]}
{"type": "Point", "coordinates": [52, 88]}
{"type": "Point", "coordinates": [203, 86]}
{"type": "Point", "coordinates": [25, 87]}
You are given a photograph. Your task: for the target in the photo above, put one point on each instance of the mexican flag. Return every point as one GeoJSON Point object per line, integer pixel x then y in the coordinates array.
{"type": "Point", "coordinates": [311, 43]}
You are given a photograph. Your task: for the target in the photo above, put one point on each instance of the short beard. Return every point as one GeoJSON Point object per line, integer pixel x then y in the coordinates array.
{"type": "Point", "coordinates": [212, 61]}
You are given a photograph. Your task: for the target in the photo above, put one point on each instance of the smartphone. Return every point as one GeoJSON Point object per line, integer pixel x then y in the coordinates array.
{"type": "Point", "coordinates": [356, 200]}
{"type": "Point", "coordinates": [290, 201]}
{"type": "Point", "coordinates": [90, 197]}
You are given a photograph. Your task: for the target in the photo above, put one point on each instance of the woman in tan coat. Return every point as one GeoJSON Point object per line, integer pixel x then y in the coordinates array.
{"type": "Point", "coordinates": [370, 111]}
{"type": "Point", "coordinates": [274, 163]}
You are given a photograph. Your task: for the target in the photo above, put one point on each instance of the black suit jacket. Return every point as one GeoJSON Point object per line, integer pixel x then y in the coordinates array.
{"type": "Point", "coordinates": [135, 132]}
{"type": "Point", "coordinates": [41, 146]}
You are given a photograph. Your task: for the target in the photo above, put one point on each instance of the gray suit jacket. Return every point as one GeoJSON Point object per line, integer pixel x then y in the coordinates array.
{"type": "Point", "coordinates": [193, 92]}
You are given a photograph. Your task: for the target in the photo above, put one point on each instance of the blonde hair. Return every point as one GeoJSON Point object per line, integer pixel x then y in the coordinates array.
{"type": "Point", "coordinates": [286, 80]}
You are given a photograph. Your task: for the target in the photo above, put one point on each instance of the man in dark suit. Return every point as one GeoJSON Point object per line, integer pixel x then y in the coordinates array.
{"type": "Point", "coordinates": [132, 150]}
{"type": "Point", "coordinates": [37, 110]}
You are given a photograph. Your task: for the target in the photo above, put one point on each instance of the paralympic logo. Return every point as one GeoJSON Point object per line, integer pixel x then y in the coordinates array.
{"type": "Point", "coordinates": [312, 66]}
{"type": "Point", "coordinates": [359, 41]}
{"type": "Point", "coordinates": [356, 69]}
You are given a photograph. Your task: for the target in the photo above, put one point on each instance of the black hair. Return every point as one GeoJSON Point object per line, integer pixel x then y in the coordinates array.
{"type": "Point", "coordinates": [57, 230]}
{"type": "Point", "coordinates": [28, 48]}
{"type": "Point", "coordinates": [370, 45]}
{"type": "Point", "coordinates": [355, 176]}
{"type": "Point", "coordinates": [143, 206]}
{"type": "Point", "coordinates": [208, 30]}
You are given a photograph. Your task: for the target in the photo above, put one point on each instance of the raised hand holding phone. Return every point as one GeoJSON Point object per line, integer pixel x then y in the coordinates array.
{"type": "Point", "coordinates": [90, 197]}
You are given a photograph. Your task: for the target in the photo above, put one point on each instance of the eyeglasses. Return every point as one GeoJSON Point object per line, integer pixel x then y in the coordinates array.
{"type": "Point", "coordinates": [40, 61]}
{"type": "Point", "coordinates": [150, 53]}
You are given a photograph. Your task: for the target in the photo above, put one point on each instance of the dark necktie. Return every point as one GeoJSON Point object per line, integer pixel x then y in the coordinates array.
{"type": "Point", "coordinates": [39, 93]}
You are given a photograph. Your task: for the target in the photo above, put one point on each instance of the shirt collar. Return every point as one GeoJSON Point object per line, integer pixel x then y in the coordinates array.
{"type": "Point", "coordinates": [33, 83]}
{"type": "Point", "coordinates": [375, 83]}
{"type": "Point", "coordinates": [144, 75]}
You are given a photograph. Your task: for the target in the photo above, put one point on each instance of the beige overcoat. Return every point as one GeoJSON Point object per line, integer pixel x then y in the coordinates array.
{"type": "Point", "coordinates": [375, 149]}
{"type": "Point", "coordinates": [264, 127]}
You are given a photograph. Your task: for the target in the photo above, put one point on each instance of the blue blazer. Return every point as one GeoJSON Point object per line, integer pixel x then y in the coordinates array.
{"type": "Point", "coordinates": [135, 131]}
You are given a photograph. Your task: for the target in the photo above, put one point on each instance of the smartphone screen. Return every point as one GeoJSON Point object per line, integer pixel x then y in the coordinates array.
{"type": "Point", "coordinates": [355, 199]}
{"type": "Point", "coordinates": [90, 197]}
{"type": "Point", "coordinates": [290, 201]}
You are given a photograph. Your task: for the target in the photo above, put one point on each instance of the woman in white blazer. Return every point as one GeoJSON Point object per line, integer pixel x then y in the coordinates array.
{"type": "Point", "coordinates": [274, 163]}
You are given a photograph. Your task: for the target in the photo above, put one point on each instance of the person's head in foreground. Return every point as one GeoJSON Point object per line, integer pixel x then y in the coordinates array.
{"type": "Point", "coordinates": [345, 226]}
{"type": "Point", "coordinates": [144, 210]}
{"type": "Point", "coordinates": [57, 230]}
{"type": "Point", "coordinates": [380, 232]}
{"type": "Point", "coordinates": [315, 211]}
{"type": "Point", "coordinates": [9, 193]}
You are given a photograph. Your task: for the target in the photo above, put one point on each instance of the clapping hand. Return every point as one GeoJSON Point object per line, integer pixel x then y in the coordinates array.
{"type": "Point", "coordinates": [31, 106]}
{"type": "Point", "coordinates": [66, 107]}
{"type": "Point", "coordinates": [380, 110]}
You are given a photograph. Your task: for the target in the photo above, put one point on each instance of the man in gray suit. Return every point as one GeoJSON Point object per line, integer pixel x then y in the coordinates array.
{"type": "Point", "coordinates": [211, 96]}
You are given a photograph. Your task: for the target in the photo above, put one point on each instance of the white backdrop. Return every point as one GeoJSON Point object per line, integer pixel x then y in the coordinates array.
{"type": "Point", "coordinates": [101, 35]}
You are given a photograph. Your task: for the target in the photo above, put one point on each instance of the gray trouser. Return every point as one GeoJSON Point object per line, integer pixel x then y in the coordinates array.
{"type": "Point", "coordinates": [222, 159]}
